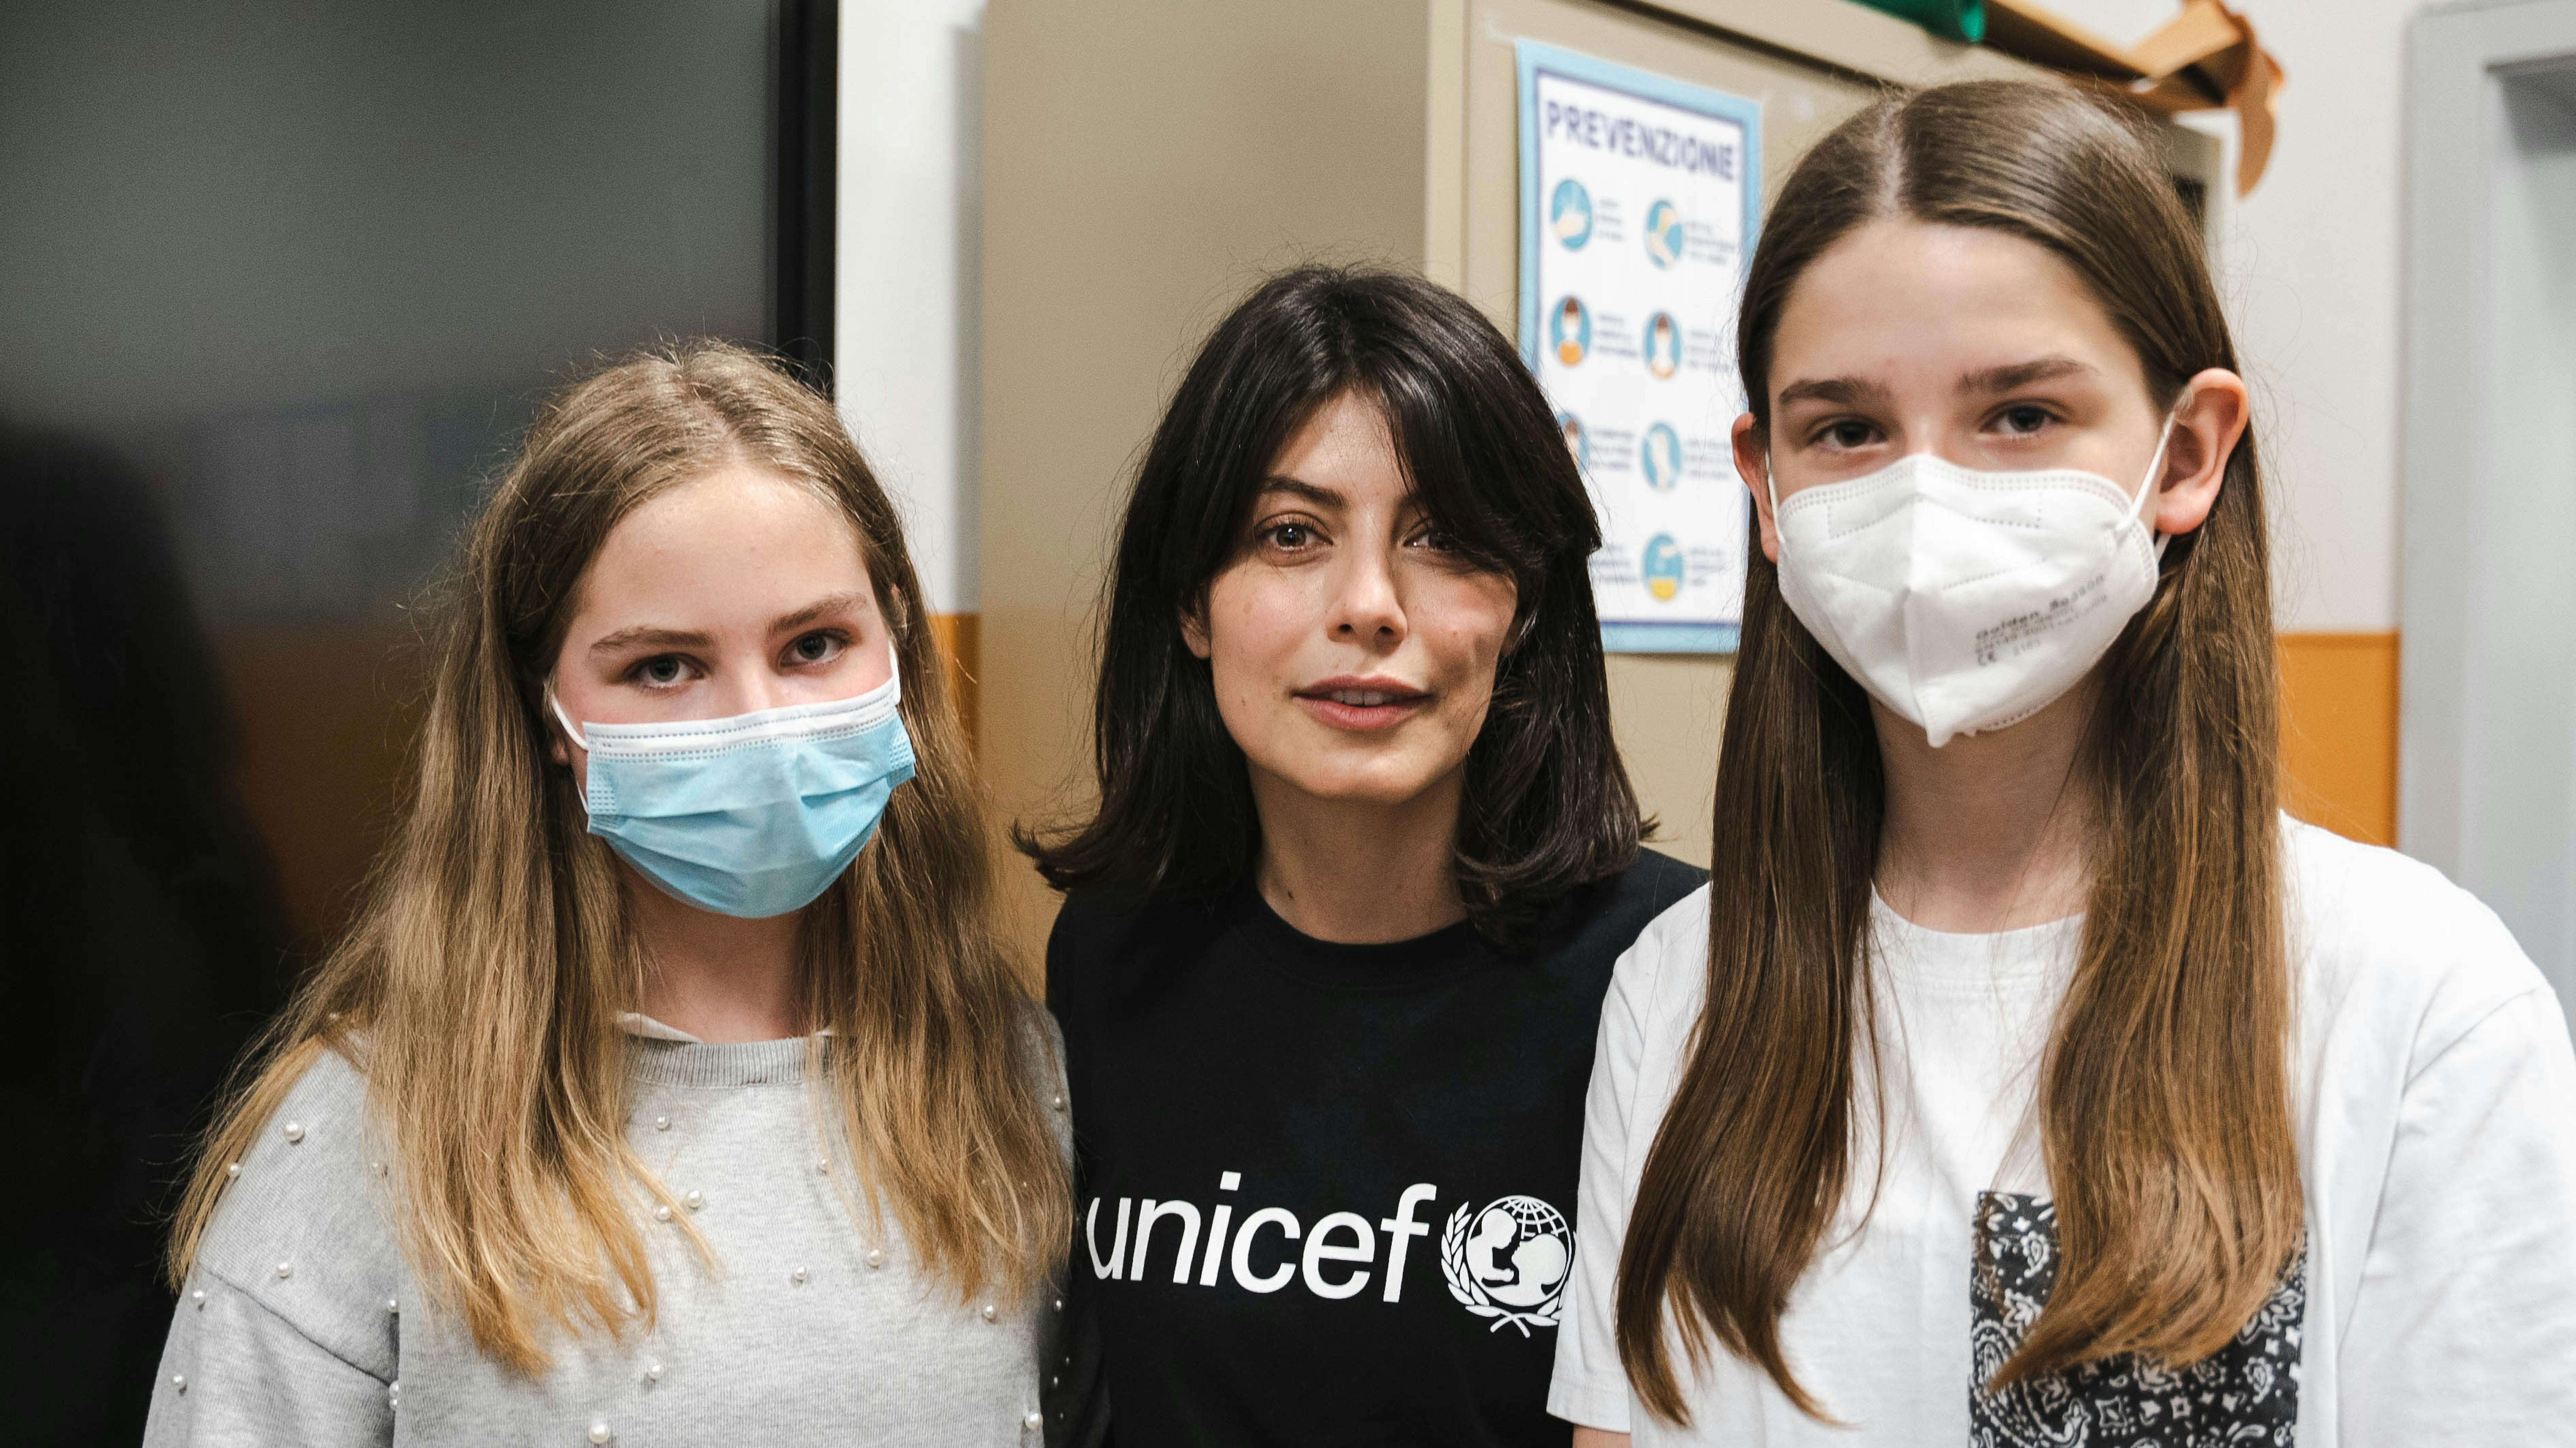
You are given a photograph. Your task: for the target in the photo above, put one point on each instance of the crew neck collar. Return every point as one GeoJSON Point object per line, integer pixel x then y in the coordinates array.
{"type": "Point", "coordinates": [1379, 966]}
{"type": "Point", "coordinates": [2029, 953]}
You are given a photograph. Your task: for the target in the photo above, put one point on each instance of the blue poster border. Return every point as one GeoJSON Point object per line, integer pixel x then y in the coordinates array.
{"type": "Point", "coordinates": [1532, 59]}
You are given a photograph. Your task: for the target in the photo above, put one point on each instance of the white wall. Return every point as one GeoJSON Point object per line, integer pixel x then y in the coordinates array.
{"type": "Point", "coordinates": [2310, 267]}
{"type": "Point", "coordinates": [905, 314]}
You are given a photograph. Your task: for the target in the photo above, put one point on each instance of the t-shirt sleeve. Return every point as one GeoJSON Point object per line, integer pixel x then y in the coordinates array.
{"type": "Point", "coordinates": [235, 1374]}
{"type": "Point", "coordinates": [2463, 1329]}
{"type": "Point", "coordinates": [1589, 1388]}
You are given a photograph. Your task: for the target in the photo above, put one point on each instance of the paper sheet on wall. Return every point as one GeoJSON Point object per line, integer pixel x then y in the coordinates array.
{"type": "Point", "coordinates": [1639, 197]}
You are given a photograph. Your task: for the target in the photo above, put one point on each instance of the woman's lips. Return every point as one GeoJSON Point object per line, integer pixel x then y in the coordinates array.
{"type": "Point", "coordinates": [1361, 705]}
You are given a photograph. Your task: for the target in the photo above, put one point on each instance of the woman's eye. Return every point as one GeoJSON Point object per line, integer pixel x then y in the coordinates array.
{"type": "Point", "coordinates": [1847, 434]}
{"type": "Point", "coordinates": [662, 670]}
{"type": "Point", "coordinates": [2022, 421]}
{"type": "Point", "coordinates": [815, 648]}
{"type": "Point", "coordinates": [1288, 535]}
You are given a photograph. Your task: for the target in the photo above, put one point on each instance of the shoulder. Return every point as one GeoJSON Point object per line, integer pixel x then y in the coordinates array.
{"type": "Point", "coordinates": [1604, 917]}
{"type": "Point", "coordinates": [1661, 976]}
{"type": "Point", "coordinates": [1655, 882]}
{"type": "Point", "coordinates": [2383, 937]}
{"type": "Point", "coordinates": [1042, 1045]}
{"type": "Point", "coordinates": [1102, 944]}
{"type": "Point", "coordinates": [301, 1228]}
{"type": "Point", "coordinates": [1091, 926]}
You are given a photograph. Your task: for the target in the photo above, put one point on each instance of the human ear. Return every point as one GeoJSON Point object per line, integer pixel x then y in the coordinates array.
{"type": "Point", "coordinates": [558, 748]}
{"type": "Point", "coordinates": [1194, 629]}
{"type": "Point", "coordinates": [1753, 465]}
{"type": "Point", "coordinates": [2206, 428]}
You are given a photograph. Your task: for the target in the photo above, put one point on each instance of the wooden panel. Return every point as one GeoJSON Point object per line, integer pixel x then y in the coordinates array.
{"type": "Point", "coordinates": [961, 638]}
{"type": "Point", "coordinates": [2339, 732]}
{"type": "Point", "coordinates": [326, 717]}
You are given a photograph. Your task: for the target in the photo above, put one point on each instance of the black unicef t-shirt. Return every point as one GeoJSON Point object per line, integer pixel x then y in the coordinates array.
{"type": "Point", "coordinates": [1325, 1192]}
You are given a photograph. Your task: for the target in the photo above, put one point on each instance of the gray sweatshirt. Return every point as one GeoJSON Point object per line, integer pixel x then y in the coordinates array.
{"type": "Point", "coordinates": [303, 1325]}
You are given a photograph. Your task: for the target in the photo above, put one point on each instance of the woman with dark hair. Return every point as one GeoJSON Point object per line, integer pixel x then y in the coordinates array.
{"type": "Point", "coordinates": [2024, 1077]}
{"type": "Point", "coordinates": [1337, 934]}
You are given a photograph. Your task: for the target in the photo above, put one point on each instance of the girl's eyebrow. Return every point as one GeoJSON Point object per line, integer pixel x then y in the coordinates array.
{"type": "Point", "coordinates": [2021, 374]}
{"type": "Point", "coordinates": [1840, 391]}
{"type": "Point", "coordinates": [655, 636]}
{"type": "Point", "coordinates": [819, 608]}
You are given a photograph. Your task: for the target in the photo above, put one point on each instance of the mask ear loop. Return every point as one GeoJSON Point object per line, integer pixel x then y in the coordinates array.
{"type": "Point", "coordinates": [570, 728]}
{"type": "Point", "coordinates": [2155, 475]}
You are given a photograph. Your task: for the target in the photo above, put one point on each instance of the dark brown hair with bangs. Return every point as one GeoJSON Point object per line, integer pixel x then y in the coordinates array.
{"type": "Point", "coordinates": [2164, 1103]}
{"type": "Point", "coordinates": [1548, 805]}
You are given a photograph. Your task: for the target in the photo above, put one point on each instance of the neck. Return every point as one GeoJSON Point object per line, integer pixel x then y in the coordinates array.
{"type": "Point", "coordinates": [1359, 872]}
{"type": "Point", "coordinates": [713, 976]}
{"type": "Point", "coordinates": [1987, 832]}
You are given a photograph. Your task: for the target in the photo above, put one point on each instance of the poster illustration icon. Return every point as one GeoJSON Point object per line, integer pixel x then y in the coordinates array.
{"type": "Point", "coordinates": [1663, 233]}
{"type": "Point", "coordinates": [1569, 331]}
{"type": "Point", "coordinates": [1660, 454]}
{"type": "Point", "coordinates": [1662, 566]}
{"type": "Point", "coordinates": [1577, 441]}
{"type": "Point", "coordinates": [1663, 345]}
{"type": "Point", "coordinates": [1569, 213]}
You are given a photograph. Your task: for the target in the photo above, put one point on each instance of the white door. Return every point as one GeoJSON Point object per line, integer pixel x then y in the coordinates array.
{"type": "Point", "coordinates": [2488, 771]}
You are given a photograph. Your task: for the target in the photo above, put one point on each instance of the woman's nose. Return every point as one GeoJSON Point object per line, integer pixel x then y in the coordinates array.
{"type": "Point", "coordinates": [1367, 607]}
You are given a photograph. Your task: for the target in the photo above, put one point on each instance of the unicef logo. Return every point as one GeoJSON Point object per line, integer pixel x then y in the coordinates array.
{"type": "Point", "coordinates": [1508, 1262]}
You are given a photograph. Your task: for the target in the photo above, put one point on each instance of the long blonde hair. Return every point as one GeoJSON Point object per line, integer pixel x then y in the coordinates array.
{"type": "Point", "coordinates": [2164, 1102]}
{"type": "Point", "coordinates": [480, 986]}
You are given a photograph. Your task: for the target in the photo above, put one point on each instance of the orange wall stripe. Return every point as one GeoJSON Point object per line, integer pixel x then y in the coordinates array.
{"type": "Point", "coordinates": [2339, 732]}
{"type": "Point", "coordinates": [960, 637]}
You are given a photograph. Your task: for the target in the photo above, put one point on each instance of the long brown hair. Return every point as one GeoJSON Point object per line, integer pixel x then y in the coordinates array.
{"type": "Point", "coordinates": [2164, 1110]}
{"type": "Point", "coordinates": [479, 989]}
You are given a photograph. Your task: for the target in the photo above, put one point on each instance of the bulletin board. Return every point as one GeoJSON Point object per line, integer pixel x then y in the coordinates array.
{"type": "Point", "coordinates": [1640, 196]}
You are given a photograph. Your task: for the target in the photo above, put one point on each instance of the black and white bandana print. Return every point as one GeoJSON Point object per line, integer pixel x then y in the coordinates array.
{"type": "Point", "coordinates": [2245, 1393]}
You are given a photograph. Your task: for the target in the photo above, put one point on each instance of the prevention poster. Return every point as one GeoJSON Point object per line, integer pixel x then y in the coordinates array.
{"type": "Point", "coordinates": [1639, 200]}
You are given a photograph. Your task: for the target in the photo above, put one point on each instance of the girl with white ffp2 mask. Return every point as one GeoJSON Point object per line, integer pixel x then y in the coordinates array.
{"type": "Point", "coordinates": [2024, 1076]}
{"type": "Point", "coordinates": [670, 1085]}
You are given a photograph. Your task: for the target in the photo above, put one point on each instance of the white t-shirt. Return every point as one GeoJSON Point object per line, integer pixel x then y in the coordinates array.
{"type": "Point", "coordinates": [2435, 1092]}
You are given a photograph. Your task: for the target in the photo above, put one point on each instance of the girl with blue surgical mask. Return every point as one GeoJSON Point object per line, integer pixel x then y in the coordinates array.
{"type": "Point", "coordinates": [2024, 1075]}
{"type": "Point", "coordinates": [670, 1085]}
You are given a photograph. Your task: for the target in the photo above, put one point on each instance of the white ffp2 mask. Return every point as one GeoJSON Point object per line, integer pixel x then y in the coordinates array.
{"type": "Point", "coordinates": [1966, 600]}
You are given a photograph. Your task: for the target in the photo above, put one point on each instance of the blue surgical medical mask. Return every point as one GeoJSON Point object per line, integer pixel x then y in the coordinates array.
{"type": "Point", "coordinates": [751, 816]}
